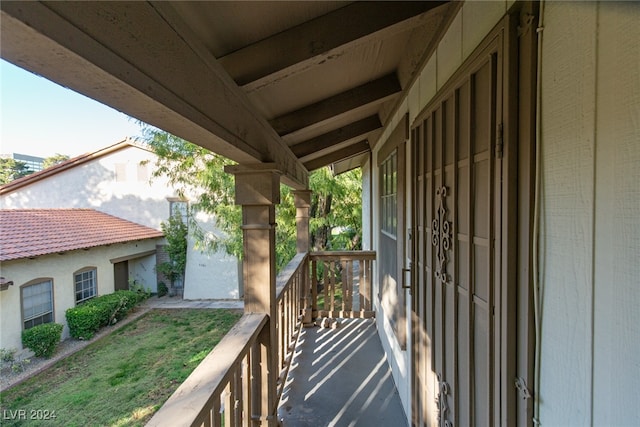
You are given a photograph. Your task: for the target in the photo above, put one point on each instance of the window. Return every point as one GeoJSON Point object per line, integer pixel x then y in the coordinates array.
{"type": "Point", "coordinates": [143, 172]}
{"type": "Point", "coordinates": [37, 303]}
{"type": "Point", "coordinates": [179, 207]}
{"type": "Point", "coordinates": [121, 172]}
{"type": "Point", "coordinates": [389, 195]}
{"type": "Point", "coordinates": [85, 284]}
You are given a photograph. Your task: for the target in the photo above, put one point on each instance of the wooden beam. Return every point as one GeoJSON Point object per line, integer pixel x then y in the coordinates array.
{"type": "Point", "coordinates": [351, 150]}
{"type": "Point", "coordinates": [142, 59]}
{"type": "Point", "coordinates": [316, 41]}
{"type": "Point", "coordinates": [374, 92]}
{"type": "Point", "coordinates": [345, 133]}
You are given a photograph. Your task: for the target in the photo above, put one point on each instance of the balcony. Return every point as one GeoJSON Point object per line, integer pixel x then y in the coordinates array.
{"type": "Point", "coordinates": [333, 375]}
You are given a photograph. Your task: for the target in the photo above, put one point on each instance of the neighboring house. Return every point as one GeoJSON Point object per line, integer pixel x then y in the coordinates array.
{"type": "Point", "coordinates": [54, 259]}
{"type": "Point", "coordinates": [118, 180]}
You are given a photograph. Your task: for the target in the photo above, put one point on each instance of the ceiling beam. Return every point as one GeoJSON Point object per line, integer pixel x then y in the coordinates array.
{"type": "Point", "coordinates": [141, 59]}
{"type": "Point", "coordinates": [345, 133]}
{"type": "Point", "coordinates": [316, 41]}
{"type": "Point", "coordinates": [351, 150]}
{"type": "Point", "coordinates": [374, 92]}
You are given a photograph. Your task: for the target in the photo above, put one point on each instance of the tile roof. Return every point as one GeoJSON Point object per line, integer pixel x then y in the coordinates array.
{"type": "Point", "coordinates": [27, 233]}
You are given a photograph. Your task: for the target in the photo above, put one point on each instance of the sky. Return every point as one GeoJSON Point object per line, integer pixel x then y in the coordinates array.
{"type": "Point", "coordinates": [41, 118]}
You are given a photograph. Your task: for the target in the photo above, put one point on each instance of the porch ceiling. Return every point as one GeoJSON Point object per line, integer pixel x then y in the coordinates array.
{"type": "Point", "coordinates": [300, 84]}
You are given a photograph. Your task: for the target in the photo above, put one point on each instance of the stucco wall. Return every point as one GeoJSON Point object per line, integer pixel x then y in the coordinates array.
{"type": "Point", "coordinates": [117, 184]}
{"type": "Point", "coordinates": [210, 275]}
{"type": "Point", "coordinates": [94, 185]}
{"type": "Point", "coordinates": [590, 246]}
{"type": "Point", "coordinates": [61, 269]}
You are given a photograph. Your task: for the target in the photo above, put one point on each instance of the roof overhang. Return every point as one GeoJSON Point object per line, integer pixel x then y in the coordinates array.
{"type": "Point", "coordinates": [301, 85]}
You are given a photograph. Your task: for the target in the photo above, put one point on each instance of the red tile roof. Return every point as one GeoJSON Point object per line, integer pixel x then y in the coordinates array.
{"type": "Point", "coordinates": [27, 233]}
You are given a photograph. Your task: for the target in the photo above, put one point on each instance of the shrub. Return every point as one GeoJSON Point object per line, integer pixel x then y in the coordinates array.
{"type": "Point", "coordinates": [42, 339]}
{"type": "Point", "coordinates": [162, 289]}
{"type": "Point", "coordinates": [86, 319]}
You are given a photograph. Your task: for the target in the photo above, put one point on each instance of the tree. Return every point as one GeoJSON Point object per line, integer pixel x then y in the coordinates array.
{"type": "Point", "coordinates": [54, 160]}
{"type": "Point", "coordinates": [175, 231]}
{"type": "Point", "coordinates": [199, 174]}
{"type": "Point", "coordinates": [11, 169]}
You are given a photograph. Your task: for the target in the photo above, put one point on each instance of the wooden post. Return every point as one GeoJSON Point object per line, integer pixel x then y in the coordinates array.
{"type": "Point", "coordinates": [258, 191]}
{"type": "Point", "coordinates": [302, 201]}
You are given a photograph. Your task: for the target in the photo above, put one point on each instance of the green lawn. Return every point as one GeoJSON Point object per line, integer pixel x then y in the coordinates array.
{"type": "Point", "coordinates": [123, 378]}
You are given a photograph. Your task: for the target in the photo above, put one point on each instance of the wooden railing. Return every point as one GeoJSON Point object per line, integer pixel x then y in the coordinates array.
{"type": "Point", "coordinates": [341, 283]}
{"type": "Point", "coordinates": [291, 289]}
{"type": "Point", "coordinates": [222, 389]}
{"type": "Point", "coordinates": [227, 386]}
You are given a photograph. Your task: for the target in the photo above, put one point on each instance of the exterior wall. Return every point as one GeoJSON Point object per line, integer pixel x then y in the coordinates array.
{"type": "Point", "coordinates": [590, 210]}
{"type": "Point", "coordinates": [97, 185]}
{"type": "Point", "coordinates": [60, 268]}
{"type": "Point", "coordinates": [117, 184]}
{"type": "Point", "coordinates": [590, 218]}
{"type": "Point", "coordinates": [142, 270]}
{"type": "Point", "coordinates": [468, 29]}
{"type": "Point", "coordinates": [201, 283]}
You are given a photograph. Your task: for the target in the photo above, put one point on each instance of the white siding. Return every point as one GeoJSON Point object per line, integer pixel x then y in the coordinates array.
{"type": "Point", "coordinates": [616, 357]}
{"type": "Point", "coordinates": [591, 214]}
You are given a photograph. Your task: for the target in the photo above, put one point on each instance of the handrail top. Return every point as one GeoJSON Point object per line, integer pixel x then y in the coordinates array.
{"type": "Point", "coordinates": [186, 405]}
{"type": "Point", "coordinates": [344, 255]}
{"type": "Point", "coordinates": [284, 277]}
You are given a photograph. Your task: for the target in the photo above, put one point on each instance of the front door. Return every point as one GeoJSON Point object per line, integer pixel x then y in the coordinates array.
{"type": "Point", "coordinates": [456, 170]}
{"type": "Point", "coordinates": [121, 275]}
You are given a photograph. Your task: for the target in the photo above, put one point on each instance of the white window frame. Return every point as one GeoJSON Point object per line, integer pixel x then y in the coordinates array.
{"type": "Point", "coordinates": [45, 312]}
{"type": "Point", "coordinates": [87, 278]}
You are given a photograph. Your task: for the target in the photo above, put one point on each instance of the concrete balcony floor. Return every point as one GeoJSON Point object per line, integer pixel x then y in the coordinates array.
{"type": "Point", "coordinates": [340, 377]}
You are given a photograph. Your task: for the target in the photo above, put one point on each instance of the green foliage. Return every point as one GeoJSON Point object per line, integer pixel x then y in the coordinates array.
{"type": "Point", "coordinates": [86, 319]}
{"type": "Point", "coordinates": [42, 339]}
{"type": "Point", "coordinates": [11, 169]}
{"type": "Point", "coordinates": [139, 288]}
{"type": "Point", "coordinates": [7, 355]}
{"type": "Point", "coordinates": [54, 160]}
{"type": "Point", "coordinates": [175, 231]}
{"type": "Point", "coordinates": [123, 378]}
{"type": "Point", "coordinates": [193, 170]}
{"type": "Point", "coordinates": [336, 205]}
{"type": "Point", "coordinates": [162, 289]}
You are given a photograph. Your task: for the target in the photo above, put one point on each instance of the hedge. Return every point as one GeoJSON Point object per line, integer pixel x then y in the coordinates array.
{"type": "Point", "coordinates": [42, 339]}
{"type": "Point", "coordinates": [86, 319]}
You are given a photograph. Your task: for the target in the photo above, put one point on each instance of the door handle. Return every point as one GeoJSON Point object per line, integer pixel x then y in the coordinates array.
{"type": "Point", "coordinates": [404, 281]}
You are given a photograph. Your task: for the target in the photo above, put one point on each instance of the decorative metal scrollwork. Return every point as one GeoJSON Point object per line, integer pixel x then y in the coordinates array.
{"type": "Point", "coordinates": [442, 230]}
{"type": "Point", "coordinates": [442, 404]}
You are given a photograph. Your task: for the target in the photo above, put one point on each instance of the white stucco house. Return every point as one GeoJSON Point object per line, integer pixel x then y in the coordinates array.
{"type": "Point", "coordinates": [54, 259]}
{"type": "Point", "coordinates": [117, 180]}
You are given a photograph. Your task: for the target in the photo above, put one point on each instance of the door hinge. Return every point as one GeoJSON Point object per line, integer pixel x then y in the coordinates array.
{"type": "Point", "coordinates": [521, 385]}
{"type": "Point", "coordinates": [499, 141]}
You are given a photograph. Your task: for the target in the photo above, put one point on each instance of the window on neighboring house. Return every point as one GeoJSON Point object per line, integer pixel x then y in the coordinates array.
{"type": "Point", "coordinates": [85, 284]}
{"type": "Point", "coordinates": [37, 303]}
{"type": "Point", "coordinates": [143, 172]}
{"type": "Point", "coordinates": [388, 195]}
{"type": "Point", "coordinates": [179, 206]}
{"type": "Point", "coordinates": [121, 172]}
